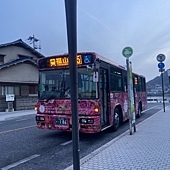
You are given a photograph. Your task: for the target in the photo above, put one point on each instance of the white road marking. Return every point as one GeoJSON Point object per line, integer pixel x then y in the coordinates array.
{"type": "Point", "coordinates": [19, 162]}
{"type": "Point", "coordinates": [65, 143]}
{"type": "Point", "coordinates": [149, 109]}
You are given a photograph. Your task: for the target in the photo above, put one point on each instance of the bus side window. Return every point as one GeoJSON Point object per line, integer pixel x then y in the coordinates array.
{"type": "Point", "coordinates": [53, 88]}
{"type": "Point", "coordinates": [80, 83]}
{"type": "Point", "coordinates": [46, 87]}
{"type": "Point", "coordinates": [125, 84]}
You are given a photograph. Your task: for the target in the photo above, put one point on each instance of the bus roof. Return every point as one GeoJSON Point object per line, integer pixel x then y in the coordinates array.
{"type": "Point", "coordinates": [99, 57]}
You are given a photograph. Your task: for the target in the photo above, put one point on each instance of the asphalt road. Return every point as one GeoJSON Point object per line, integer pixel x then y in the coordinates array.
{"type": "Point", "coordinates": [23, 146]}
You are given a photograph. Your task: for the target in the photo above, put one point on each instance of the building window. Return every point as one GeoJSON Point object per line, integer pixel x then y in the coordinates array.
{"type": "Point", "coordinates": [1, 59]}
{"type": "Point", "coordinates": [24, 90]}
{"type": "Point", "coordinates": [33, 89]}
{"type": "Point", "coordinates": [9, 90]}
{"type": "Point", "coordinates": [17, 90]}
{"type": "Point", "coordinates": [1, 90]}
{"type": "Point", "coordinates": [6, 90]}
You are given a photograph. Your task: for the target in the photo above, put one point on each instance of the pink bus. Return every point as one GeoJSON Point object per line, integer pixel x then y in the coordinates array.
{"type": "Point", "coordinates": [102, 93]}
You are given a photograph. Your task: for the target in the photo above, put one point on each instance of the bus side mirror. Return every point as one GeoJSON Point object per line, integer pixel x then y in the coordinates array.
{"type": "Point", "coordinates": [95, 76]}
{"type": "Point", "coordinates": [95, 72]}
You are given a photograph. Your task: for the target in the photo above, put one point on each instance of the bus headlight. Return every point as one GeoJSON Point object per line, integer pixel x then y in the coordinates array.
{"type": "Point", "coordinates": [40, 118]}
{"type": "Point", "coordinates": [86, 121]}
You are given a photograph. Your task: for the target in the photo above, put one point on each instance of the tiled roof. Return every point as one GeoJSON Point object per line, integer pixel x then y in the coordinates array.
{"type": "Point", "coordinates": [20, 43]}
{"type": "Point", "coordinates": [17, 61]}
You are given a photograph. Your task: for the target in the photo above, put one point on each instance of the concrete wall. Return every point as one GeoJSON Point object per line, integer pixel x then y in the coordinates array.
{"type": "Point", "coordinates": [25, 103]}
{"type": "Point", "coordinates": [20, 73]}
{"type": "Point", "coordinates": [11, 53]}
{"type": "Point", "coordinates": [20, 103]}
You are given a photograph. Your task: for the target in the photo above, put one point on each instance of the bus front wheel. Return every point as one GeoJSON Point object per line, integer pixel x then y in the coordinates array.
{"type": "Point", "coordinates": [116, 122]}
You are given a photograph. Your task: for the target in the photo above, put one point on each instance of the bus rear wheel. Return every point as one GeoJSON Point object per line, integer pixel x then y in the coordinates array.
{"type": "Point", "coordinates": [116, 122]}
{"type": "Point", "coordinates": [139, 111]}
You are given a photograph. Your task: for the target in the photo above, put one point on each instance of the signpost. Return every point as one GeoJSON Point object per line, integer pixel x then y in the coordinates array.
{"type": "Point", "coordinates": [161, 65]}
{"type": "Point", "coordinates": [71, 10]}
{"type": "Point", "coordinates": [127, 52]}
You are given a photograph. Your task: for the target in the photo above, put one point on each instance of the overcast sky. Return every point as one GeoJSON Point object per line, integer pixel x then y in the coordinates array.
{"type": "Point", "coordinates": [104, 27]}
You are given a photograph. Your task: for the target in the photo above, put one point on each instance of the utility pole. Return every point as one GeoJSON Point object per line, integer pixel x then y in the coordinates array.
{"type": "Point", "coordinates": [71, 20]}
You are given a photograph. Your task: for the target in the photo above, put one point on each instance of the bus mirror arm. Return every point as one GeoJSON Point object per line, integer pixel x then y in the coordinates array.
{"type": "Point", "coordinates": [95, 72]}
{"type": "Point", "coordinates": [125, 88]}
{"type": "Point", "coordinates": [95, 76]}
{"type": "Point", "coordinates": [135, 90]}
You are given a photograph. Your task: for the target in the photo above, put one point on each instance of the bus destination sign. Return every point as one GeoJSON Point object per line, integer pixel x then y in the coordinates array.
{"type": "Point", "coordinates": [63, 61]}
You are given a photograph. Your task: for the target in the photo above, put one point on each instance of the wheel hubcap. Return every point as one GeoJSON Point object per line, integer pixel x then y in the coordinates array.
{"type": "Point", "coordinates": [139, 112]}
{"type": "Point", "coordinates": [116, 119]}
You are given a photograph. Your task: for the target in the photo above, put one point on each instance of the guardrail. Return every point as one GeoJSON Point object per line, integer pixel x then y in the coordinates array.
{"type": "Point", "coordinates": [157, 100]}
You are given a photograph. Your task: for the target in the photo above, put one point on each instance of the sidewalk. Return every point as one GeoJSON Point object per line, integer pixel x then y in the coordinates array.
{"type": "Point", "coordinates": [9, 115]}
{"type": "Point", "coordinates": [147, 149]}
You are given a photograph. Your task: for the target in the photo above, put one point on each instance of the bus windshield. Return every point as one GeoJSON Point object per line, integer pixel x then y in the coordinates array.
{"type": "Point", "coordinates": [55, 84]}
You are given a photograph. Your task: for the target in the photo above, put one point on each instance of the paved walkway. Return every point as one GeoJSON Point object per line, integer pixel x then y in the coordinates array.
{"type": "Point", "coordinates": [10, 115]}
{"type": "Point", "coordinates": [147, 149]}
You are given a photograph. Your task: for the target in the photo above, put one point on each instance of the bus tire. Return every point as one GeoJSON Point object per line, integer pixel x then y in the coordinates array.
{"type": "Point", "coordinates": [139, 111]}
{"type": "Point", "coordinates": [116, 120]}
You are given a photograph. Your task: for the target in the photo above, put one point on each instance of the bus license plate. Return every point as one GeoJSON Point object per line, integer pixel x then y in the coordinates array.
{"type": "Point", "coordinates": [61, 121]}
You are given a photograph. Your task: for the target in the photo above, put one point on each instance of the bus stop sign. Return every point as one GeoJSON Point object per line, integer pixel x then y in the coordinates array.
{"type": "Point", "coordinates": [127, 52]}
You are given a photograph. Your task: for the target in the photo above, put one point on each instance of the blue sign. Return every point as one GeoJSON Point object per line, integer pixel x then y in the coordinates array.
{"type": "Point", "coordinates": [161, 65]}
{"type": "Point", "coordinates": [87, 59]}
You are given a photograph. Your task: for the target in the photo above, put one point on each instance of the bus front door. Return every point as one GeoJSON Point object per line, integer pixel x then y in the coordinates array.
{"type": "Point", "coordinates": [104, 97]}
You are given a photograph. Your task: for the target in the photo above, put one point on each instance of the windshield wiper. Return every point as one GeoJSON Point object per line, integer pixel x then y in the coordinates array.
{"type": "Point", "coordinates": [62, 88]}
{"type": "Point", "coordinates": [51, 97]}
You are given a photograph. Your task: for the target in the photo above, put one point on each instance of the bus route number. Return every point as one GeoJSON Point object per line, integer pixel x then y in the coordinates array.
{"type": "Point", "coordinates": [63, 61]}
